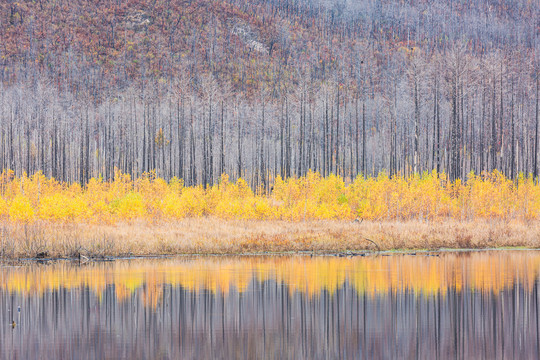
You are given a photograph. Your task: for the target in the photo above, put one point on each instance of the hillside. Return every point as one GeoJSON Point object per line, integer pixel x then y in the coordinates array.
{"type": "Point", "coordinates": [270, 87]}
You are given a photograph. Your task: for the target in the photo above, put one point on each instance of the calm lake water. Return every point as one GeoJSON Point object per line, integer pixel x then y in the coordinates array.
{"type": "Point", "coordinates": [466, 305]}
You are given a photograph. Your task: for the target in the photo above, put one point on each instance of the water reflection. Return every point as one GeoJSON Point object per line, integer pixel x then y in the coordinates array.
{"type": "Point", "coordinates": [472, 305]}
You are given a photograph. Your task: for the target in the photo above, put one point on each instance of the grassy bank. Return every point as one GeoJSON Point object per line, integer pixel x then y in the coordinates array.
{"type": "Point", "coordinates": [210, 235]}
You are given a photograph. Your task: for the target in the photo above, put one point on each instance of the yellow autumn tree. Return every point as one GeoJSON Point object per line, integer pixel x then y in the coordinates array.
{"type": "Point", "coordinates": [21, 209]}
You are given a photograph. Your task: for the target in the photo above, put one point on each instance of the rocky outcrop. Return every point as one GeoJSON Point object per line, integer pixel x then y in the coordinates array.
{"type": "Point", "coordinates": [249, 37]}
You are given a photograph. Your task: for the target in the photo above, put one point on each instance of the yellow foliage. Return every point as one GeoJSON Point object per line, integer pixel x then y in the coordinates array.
{"type": "Point", "coordinates": [429, 196]}
{"type": "Point", "coordinates": [62, 207]}
{"type": "Point", "coordinates": [129, 207]}
{"type": "Point", "coordinates": [173, 207]}
{"type": "Point", "coordinates": [21, 209]}
{"type": "Point", "coordinates": [4, 208]}
{"type": "Point", "coordinates": [192, 201]}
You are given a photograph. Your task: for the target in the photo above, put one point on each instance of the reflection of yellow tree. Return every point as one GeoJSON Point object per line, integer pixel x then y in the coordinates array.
{"type": "Point", "coordinates": [486, 272]}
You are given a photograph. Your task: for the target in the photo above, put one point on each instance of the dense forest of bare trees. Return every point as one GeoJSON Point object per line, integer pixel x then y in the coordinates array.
{"type": "Point", "coordinates": [263, 88]}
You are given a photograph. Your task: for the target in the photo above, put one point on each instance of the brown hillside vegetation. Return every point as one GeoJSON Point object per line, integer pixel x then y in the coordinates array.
{"type": "Point", "coordinates": [120, 42]}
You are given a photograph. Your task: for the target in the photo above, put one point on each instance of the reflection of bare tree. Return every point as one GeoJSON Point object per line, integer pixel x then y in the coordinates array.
{"type": "Point", "coordinates": [269, 320]}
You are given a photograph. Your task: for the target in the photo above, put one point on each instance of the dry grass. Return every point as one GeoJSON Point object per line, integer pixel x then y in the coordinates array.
{"type": "Point", "coordinates": [212, 235]}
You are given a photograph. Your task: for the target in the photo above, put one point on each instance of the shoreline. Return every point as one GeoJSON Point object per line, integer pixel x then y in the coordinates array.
{"type": "Point", "coordinates": [348, 254]}
{"type": "Point", "coordinates": [212, 236]}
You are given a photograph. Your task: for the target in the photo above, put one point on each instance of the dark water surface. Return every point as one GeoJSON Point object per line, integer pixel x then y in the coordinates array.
{"type": "Point", "coordinates": [467, 305]}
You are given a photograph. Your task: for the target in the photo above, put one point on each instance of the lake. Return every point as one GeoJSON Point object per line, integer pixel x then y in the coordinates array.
{"type": "Point", "coordinates": [444, 305]}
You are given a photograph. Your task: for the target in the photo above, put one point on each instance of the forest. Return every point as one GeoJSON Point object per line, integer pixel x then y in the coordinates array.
{"type": "Point", "coordinates": [299, 179]}
{"type": "Point", "coordinates": [263, 89]}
